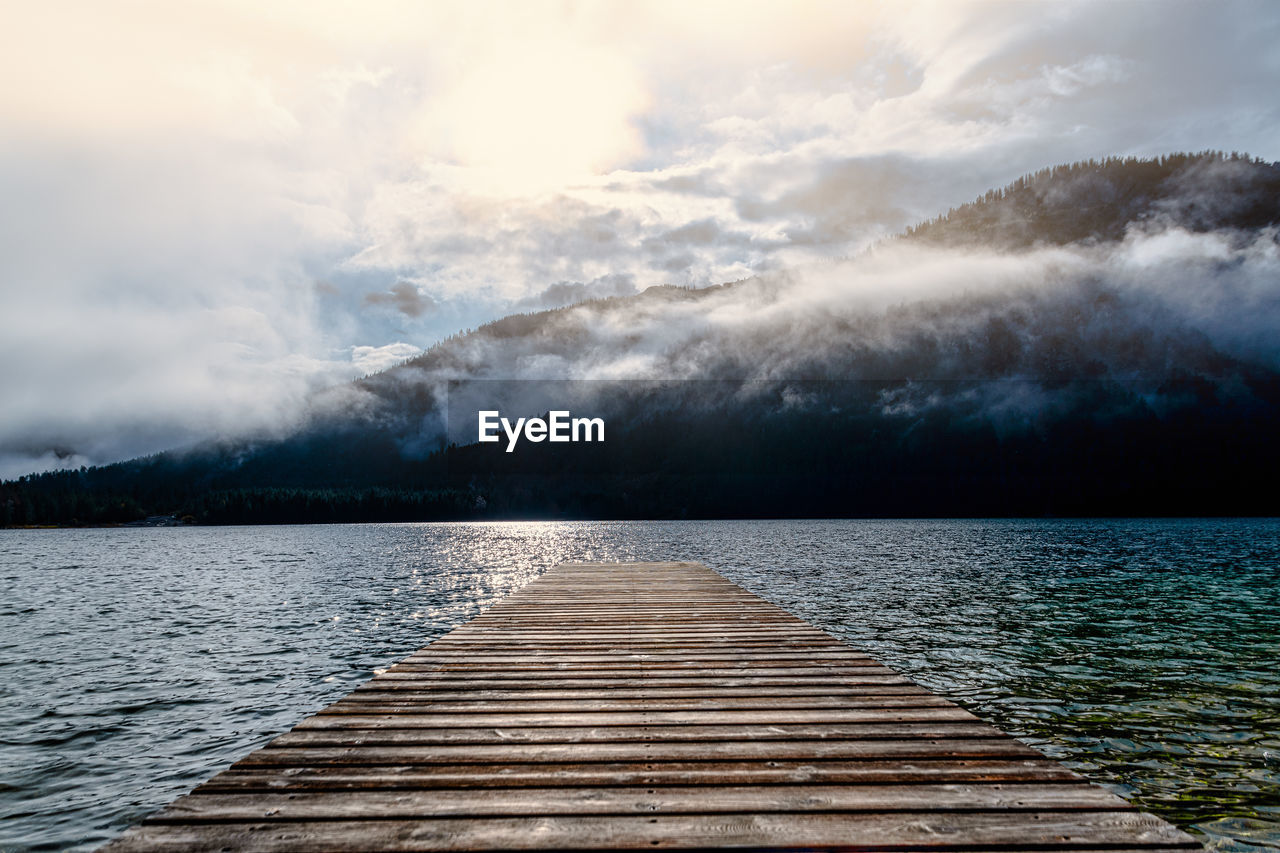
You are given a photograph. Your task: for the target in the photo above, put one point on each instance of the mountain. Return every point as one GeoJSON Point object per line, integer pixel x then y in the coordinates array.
{"type": "Point", "coordinates": [1096, 338]}
{"type": "Point", "coordinates": [1095, 201]}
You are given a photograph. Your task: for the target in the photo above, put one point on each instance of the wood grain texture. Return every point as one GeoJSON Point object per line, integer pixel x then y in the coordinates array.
{"type": "Point", "coordinates": [645, 706]}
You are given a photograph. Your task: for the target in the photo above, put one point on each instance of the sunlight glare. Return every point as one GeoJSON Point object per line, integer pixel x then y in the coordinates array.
{"type": "Point", "coordinates": [535, 116]}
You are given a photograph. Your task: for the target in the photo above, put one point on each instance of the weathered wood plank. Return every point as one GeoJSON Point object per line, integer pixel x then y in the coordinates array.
{"type": "Point", "coordinates": [903, 831]}
{"type": "Point", "coordinates": [423, 680]}
{"type": "Point", "coordinates": [631, 670]}
{"type": "Point", "coordinates": [792, 750]}
{"type": "Point", "coordinates": [423, 736]}
{"type": "Point", "coordinates": [869, 686]}
{"type": "Point", "coordinates": [772, 716]}
{"type": "Point", "coordinates": [851, 697]}
{"type": "Point", "coordinates": [703, 800]}
{"type": "Point", "coordinates": [624, 658]}
{"type": "Point", "coordinates": [594, 657]}
{"type": "Point", "coordinates": [595, 775]}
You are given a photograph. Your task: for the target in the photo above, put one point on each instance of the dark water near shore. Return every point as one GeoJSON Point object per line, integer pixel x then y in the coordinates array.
{"type": "Point", "coordinates": [136, 663]}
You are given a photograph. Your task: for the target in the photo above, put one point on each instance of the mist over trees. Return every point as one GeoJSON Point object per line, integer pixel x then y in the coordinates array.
{"type": "Point", "coordinates": [1094, 339]}
{"type": "Point", "coordinates": [1100, 200]}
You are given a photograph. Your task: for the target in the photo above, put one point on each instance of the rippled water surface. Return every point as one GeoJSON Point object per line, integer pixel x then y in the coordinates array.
{"type": "Point", "coordinates": [135, 663]}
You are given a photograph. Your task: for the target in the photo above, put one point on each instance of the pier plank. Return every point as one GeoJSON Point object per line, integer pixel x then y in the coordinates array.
{"type": "Point", "coordinates": [619, 734]}
{"type": "Point", "coordinates": [998, 830]}
{"type": "Point", "coordinates": [719, 799]}
{"type": "Point", "coordinates": [601, 774]}
{"type": "Point", "coordinates": [645, 706]}
{"type": "Point", "coordinates": [640, 712]}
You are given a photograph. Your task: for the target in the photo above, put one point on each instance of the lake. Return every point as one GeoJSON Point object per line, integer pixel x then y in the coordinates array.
{"type": "Point", "coordinates": [136, 663]}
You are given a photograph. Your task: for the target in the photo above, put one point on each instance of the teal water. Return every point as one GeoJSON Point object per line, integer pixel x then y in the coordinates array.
{"type": "Point", "coordinates": [135, 663]}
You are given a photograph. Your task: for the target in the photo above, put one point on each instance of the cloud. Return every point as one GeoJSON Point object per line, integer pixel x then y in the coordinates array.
{"type": "Point", "coordinates": [174, 181]}
{"type": "Point", "coordinates": [537, 105]}
{"type": "Point", "coordinates": [848, 202]}
{"type": "Point", "coordinates": [368, 359]}
{"type": "Point", "coordinates": [564, 293]}
{"type": "Point", "coordinates": [405, 298]}
{"type": "Point", "coordinates": [1155, 308]}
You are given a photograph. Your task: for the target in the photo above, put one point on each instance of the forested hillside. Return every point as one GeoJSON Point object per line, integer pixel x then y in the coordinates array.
{"type": "Point", "coordinates": [1097, 338]}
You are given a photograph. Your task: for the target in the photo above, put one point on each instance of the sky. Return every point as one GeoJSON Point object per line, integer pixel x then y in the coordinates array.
{"type": "Point", "coordinates": [211, 210]}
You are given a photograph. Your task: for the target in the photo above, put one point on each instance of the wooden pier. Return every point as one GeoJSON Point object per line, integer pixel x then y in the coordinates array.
{"type": "Point", "coordinates": [645, 706]}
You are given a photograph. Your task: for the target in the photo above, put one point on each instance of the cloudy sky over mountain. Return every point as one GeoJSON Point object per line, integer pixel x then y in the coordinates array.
{"type": "Point", "coordinates": [208, 209]}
